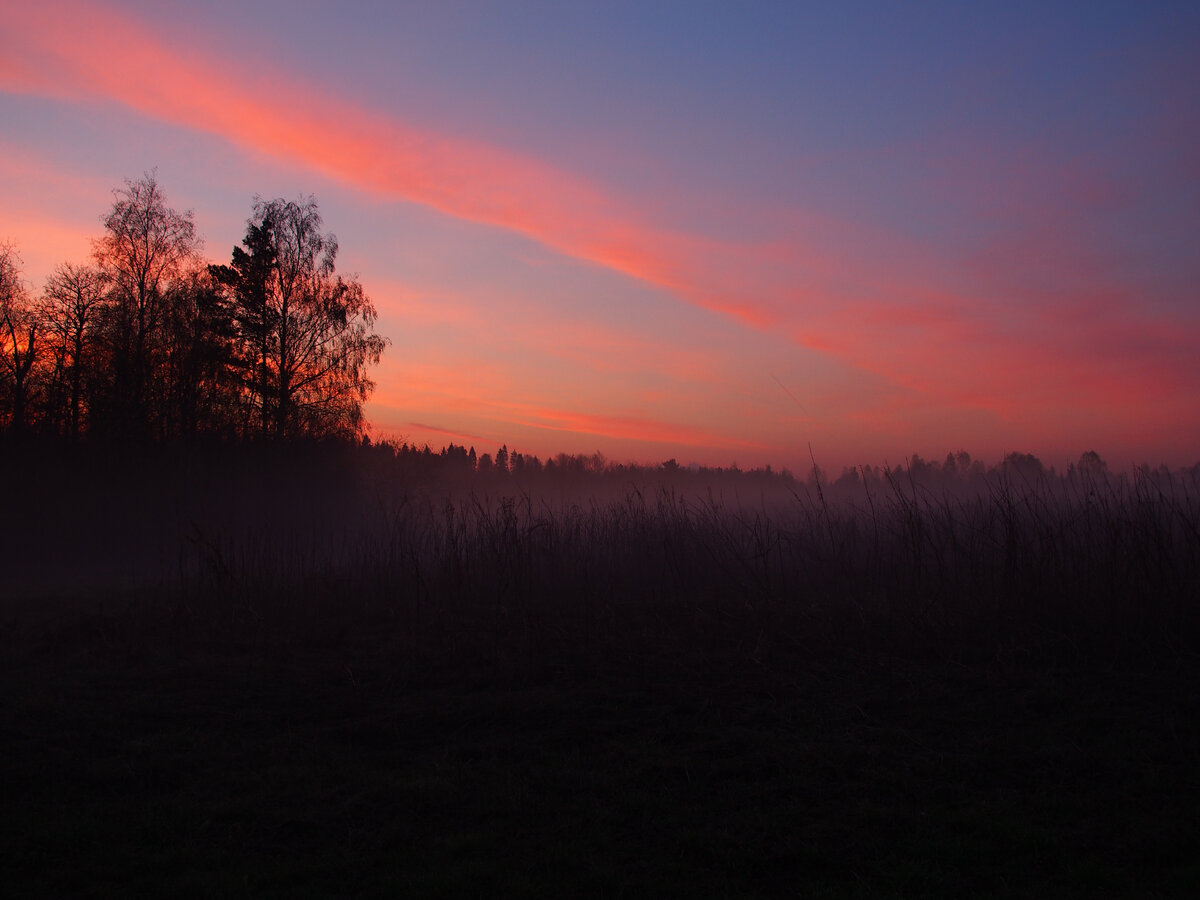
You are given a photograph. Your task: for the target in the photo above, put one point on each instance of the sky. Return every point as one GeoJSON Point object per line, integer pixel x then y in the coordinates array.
{"type": "Point", "coordinates": [725, 233]}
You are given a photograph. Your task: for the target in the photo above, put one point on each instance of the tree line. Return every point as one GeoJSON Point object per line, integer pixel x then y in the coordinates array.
{"type": "Point", "coordinates": [148, 341]}
{"type": "Point", "coordinates": [958, 474]}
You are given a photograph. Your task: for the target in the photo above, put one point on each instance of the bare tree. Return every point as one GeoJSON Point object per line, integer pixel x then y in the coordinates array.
{"type": "Point", "coordinates": [73, 296]}
{"type": "Point", "coordinates": [308, 331]}
{"type": "Point", "coordinates": [147, 247]}
{"type": "Point", "coordinates": [19, 335]}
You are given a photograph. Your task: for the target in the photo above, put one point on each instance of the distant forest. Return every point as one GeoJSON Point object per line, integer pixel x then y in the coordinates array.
{"type": "Point", "coordinates": [958, 473]}
{"type": "Point", "coordinates": [147, 342]}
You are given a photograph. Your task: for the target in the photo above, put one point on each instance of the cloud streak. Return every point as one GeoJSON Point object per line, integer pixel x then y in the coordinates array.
{"type": "Point", "coordinates": [67, 52]}
{"type": "Point", "coordinates": [621, 427]}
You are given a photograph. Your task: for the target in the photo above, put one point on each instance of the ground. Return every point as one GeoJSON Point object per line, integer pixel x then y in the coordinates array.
{"type": "Point", "coordinates": [144, 756]}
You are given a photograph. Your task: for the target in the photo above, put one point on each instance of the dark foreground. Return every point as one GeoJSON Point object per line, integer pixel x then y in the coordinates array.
{"type": "Point", "coordinates": [381, 692]}
{"type": "Point", "coordinates": [139, 760]}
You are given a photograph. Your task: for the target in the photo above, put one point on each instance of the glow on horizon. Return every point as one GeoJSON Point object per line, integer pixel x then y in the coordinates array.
{"type": "Point", "coordinates": [1011, 325]}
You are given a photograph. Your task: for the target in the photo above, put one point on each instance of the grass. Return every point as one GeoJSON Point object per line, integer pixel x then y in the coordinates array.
{"type": "Point", "coordinates": [320, 680]}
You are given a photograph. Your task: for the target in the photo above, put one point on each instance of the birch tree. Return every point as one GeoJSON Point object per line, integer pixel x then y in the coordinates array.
{"type": "Point", "coordinates": [307, 332]}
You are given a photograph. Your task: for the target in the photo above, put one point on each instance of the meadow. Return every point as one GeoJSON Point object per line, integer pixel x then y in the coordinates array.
{"type": "Point", "coordinates": [346, 671]}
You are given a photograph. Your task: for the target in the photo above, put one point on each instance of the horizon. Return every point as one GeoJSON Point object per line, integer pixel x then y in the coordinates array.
{"type": "Point", "coordinates": [724, 237]}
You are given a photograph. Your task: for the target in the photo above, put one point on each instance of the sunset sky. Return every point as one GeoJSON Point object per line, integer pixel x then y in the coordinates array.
{"type": "Point", "coordinates": [715, 232]}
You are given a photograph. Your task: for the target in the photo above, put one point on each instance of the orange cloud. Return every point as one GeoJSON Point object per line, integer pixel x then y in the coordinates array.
{"type": "Point", "coordinates": [43, 243]}
{"type": "Point", "coordinates": [620, 427]}
{"type": "Point", "coordinates": [32, 192]}
{"type": "Point", "coordinates": [446, 392]}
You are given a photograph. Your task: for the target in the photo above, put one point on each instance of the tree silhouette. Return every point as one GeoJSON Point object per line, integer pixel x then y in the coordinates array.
{"type": "Point", "coordinates": [307, 333]}
{"type": "Point", "coordinates": [248, 278]}
{"type": "Point", "coordinates": [1091, 463]}
{"type": "Point", "coordinates": [145, 251]}
{"type": "Point", "coordinates": [73, 297]}
{"type": "Point", "coordinates": [205, 387]}
{"type": "Point", "coordinates": [19, 333]}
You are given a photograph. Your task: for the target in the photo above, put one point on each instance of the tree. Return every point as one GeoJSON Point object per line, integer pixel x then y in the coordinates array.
{"type": "Point", "coordinates": [307, 332]}
{"type": "Point", "coordinates": [19, 332]}
{"type": "Point", "coordinates": [146, 249]}
{"type": "Point", "coordinates": [1025, 466]}
{"type": "Point", "coordinates": [72, 300]}
{"type": "Point", "coordinates": [203, 366]}
{"type": "Point", "coordinates": [248, 279]}
{"type": "Point", "coordinates": [1091, 463]}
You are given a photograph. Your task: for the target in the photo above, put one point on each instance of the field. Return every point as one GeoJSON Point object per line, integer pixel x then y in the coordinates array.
{"type": "Point", "coordinates": [341, 673]}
